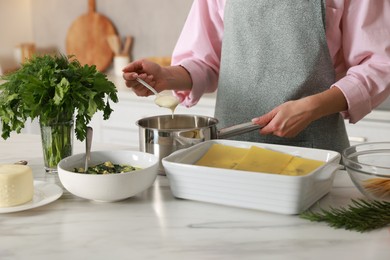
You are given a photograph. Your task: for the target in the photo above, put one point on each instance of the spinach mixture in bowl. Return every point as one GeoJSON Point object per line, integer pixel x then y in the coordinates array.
{"type": "Point", "coordinates": [107, 168]}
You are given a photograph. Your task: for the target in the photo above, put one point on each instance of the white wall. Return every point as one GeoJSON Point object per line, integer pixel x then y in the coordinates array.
{"type": "Point", "coordinates": [15, 27]}
{"type": "Point", "coordinates": [154, 24]}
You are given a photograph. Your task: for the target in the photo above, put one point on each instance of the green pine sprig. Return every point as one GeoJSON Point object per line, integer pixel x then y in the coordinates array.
{"type": "Point", "coordinates": [361, 215]}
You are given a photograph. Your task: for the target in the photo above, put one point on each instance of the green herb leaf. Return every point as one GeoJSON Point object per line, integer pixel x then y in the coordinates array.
{"type": "Point", "coordinates": [61, 90]}
{"type": "Point", "coordinates": [361, 216]}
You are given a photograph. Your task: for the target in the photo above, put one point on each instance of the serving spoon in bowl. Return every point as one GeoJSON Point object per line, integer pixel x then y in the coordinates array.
{"type": "Point", "coordinates": [167, 101]}
{"type": "Point", "coordinates": [88, 144]}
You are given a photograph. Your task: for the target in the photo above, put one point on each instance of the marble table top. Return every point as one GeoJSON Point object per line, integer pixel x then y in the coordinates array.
{"type": "Point", "coordinates": [155, 225]}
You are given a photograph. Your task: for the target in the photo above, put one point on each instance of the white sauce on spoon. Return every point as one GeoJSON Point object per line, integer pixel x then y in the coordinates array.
{"type": "Point", "coordinates": [167, 101]}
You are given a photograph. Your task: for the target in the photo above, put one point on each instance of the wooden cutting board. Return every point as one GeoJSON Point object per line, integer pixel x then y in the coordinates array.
{"type": "Point", "coordinates": [87, 38]}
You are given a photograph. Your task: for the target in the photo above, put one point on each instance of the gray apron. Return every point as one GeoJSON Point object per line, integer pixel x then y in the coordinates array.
{"type": "Point", "coordinates": [273, 52]}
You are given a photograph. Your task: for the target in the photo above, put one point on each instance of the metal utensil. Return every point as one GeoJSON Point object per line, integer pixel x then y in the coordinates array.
{"type": "Point", "coordinates": [21, 162]}
{"type": "Point", "coordinates": [147, 86]}
{"type": "Point", "coordinates": [166, 101]}
{"type": "Point", "coordinates": [88, 144]}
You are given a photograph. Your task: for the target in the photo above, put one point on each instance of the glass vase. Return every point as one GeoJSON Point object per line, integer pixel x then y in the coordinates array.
{"type": "Point", "coordinates": [57, 143]}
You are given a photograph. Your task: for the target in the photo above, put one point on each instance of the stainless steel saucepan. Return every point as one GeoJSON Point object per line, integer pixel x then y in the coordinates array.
{"type": "Point", "coordinates": [162, 135]}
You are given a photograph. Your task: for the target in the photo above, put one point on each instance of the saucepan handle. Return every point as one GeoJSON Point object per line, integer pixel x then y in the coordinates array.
{"type": "Point", "coordinates": [237, 130]}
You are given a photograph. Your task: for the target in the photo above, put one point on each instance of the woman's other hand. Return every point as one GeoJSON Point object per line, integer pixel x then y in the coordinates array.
{"type": "Point", "coordinates": [290, 118]}
{"type": "Point", "coordinates": [286, 120]}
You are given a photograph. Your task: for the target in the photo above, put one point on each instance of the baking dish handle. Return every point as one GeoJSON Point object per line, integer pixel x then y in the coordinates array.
{"type": "Point", "coordinates": [328, 171]}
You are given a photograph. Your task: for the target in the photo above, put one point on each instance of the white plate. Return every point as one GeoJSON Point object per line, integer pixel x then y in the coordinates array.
{"type": "Point", "coordinates": [44, 193]}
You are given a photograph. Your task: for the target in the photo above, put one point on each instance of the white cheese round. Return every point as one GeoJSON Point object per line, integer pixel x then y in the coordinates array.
{"type": "Point", "coordinates": [16, 185]}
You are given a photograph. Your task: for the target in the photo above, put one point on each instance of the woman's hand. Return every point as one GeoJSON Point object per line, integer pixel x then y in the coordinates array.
{"type": "Point", "coordinates": [160, 78]}
{"type": "Point", "coordinates": [148, 71]}
{"type": "Point", "coordinates": [290, 118]}
{"type": "Point", "coordinates": [286, 120]}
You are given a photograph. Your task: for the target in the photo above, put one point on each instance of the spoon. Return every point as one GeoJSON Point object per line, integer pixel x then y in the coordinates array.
{"type": "Point", "coordinates": [21, 162]}
{"type": "Point", "coordinates": [166, 101]}
{"type": "Point", "coordinates": [88, 144]}
{"type": "Point", "coordinates": [147, 86]}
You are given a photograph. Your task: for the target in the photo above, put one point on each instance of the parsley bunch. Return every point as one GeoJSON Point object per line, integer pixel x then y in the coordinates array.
{"type": "Point", "coordinates": [54, 88]}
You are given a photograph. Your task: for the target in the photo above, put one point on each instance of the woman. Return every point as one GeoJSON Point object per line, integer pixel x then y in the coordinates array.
{"type": "Point", "coordinates": [297, 68]}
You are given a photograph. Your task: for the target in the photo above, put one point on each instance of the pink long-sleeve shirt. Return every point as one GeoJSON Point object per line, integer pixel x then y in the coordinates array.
{"type": "Point", "coordinates": [358, 37]}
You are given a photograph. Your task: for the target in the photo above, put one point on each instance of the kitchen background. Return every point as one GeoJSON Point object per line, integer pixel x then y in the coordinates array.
{"type": "Point", "coordinates": [154, 25]}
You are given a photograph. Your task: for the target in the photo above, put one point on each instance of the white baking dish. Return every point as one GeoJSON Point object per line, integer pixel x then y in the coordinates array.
{"type": "Point", "coordinates": [262, 191]}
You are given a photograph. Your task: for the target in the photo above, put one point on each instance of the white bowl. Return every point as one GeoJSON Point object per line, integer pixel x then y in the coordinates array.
{"type": "Point", "coordinates": [253, 190]}
{"type": "Point", "coordinates": [109, 187]}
